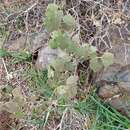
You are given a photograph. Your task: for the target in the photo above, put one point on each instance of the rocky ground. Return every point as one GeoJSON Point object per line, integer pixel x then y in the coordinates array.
{"type": "Point", "coordinates": [104, 24]}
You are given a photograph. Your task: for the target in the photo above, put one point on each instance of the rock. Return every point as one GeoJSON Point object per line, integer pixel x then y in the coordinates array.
{"type": "Point", "coordinates": [121, 54]}
{"type": "Point", "coordinates": [45, 57]}
{"type": "Point", "coordinates": [108, 91]}
{"type": "Point", "coordinates": [29, 43]}
{"type": "Point", "coordinates": [16, 45]}
{"type": "Point", "coordinates": [116, 89]}
{"type": "Point", "coordinates": [108, 74]}
{"type": "Point", "coordinates": [114, 81]}
{"type": "Point", "coordinates": [121, 104]}
{"type": "Point", "coordinates": [36, 41]}
{"type": "Point", "coordinates": [120, 42]}
{"type": "Point", "coordinates": [124, 74]}
{"type": "Point", "coordinates": [124, 87]}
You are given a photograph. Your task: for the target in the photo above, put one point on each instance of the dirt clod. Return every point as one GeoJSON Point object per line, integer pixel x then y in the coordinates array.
{"type": "Point", "coordinates": [5, 120]}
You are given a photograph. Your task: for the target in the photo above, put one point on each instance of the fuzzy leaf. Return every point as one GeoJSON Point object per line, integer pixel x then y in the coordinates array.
{"type": "Point", "coordinates": [63, 41]}
{"type": "Point", "coordinates": [53, 17]}
{"type": "Point", "coordinates": [61, 90]}
{"type": "Point", "coordinates": [53, 44]}
{"type": "Point", "coordinates": [19, 114]}
{"type": "Point", "coordinates": [93, 52]}
{"type": "Point", "coordinates": [83, 51]}
{"type": "Point", "coordinates": [68, 22]}
{"type": "Point", "coordinates": [87, 52]}
{"type": "Point", "coordinates": [107, 59]}
{"type": "Point", "coordinates": [11, 107]}
{"type": "Point", "coordinates": [95, 64]}
{"type": "Point", "coordinates": [67, 91]}
{"type": "Point", "coordinates": [72, 47]}
{"type": "Point", "coordinates": [72, 81]}
{"type": "Point", "coordinates": [17, 93]}
{"type": "Point", "coordinates": [65, 56]}
{"type": "Point", "coordinates": [58, 65]}
{"type": "Point", "coordinates": [60, 40]}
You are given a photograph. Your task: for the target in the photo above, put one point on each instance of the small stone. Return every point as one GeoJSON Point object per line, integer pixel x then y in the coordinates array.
{"type": "Point", "coordinates": [108, 74]}
{"type": "Point", "coordinates": [45, 57]}
{"type": "Point", "coordinates": [16, 45]}
{"type": "Point", "coordinates": [38, 40]}
{"type": "Point", "coordinates": [30, 43]}
{"type": "Point", "coordinates": [108, 91]}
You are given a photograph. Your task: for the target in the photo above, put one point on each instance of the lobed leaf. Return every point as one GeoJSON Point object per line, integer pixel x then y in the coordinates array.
{"type": "Point", "coordinates": [72, 81]}
{"type": "Point", "coordinates": [58, 65]}
{"type": "Point", "coordinates": [59, 39]}
{"type": "Point", "coordinates": [66, 91]}
{"type": "Point", "coordinates": [95, 64]}
{"type": "Point", "coordinates": [53, 17]}
{"type": "Point", "coordinates": [107, 59]}
{"type": "Point", "coordinates": [68, 22]}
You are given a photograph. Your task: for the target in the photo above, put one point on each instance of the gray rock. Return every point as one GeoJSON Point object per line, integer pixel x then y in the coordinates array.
{"type": "Point", "coordinates": [38, 40]}
{"type": "Point", "coordinates": [120, 42]}
{"type": "Point", "coordinates": [30, 43]}
{"type": "Point", "coordinates": [117, 93]}
{"type": "Point", "coordinates": [16, 45]}
{"type": "Point", "coordinates": [45, 57]}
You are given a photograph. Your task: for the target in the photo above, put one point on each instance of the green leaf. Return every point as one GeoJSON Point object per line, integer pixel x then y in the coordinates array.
{"type": "Point", "coordinates": [17, 93]}
{"type": "Point", "coordinates": [53, 44]}
{"type": "Point", "coordinates": [61, 90]}
{"type": "Point", "coordinates": [65, 56]}
{"type": "Point", "coordinates": [92, 52]}
{"type": "Point", "coordinates": [60, 40]}
{"type": "Point", "coordinates": [19, 114]}
{"type": "Point", "coordinates": [11, 107]}
{"type": "Point", "coordinates": [107, 59]}
{"type": "Point", "coordinates": [63, 41]}
{"type": "Point", "coordinates": [68, 22]}
{"type": "Point", "coordinates": [72, 48]}
{"type": "Point", "coordinates": [87, 52]}
{"type": "Point", "coordinates": [53, 17]}
{"type": "Point", "coordinates": [95, 64]}
{"type": "Point", "coordinates": [72, 81]}
{"type": "Point", "coordinates": [83, 51]}
{"type": "Point", "coordinates": [58, 65]}
{"type": "Point", "coordinates": [66, 91]}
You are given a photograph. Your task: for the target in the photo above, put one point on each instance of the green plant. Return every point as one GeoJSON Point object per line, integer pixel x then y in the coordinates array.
{"type": "Point", "coordinates": [60, 26]}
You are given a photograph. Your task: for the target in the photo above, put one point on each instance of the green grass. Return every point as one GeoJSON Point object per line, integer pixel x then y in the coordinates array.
{"type": "Point", "coordinates": [17, 56]}
{"type": "Point", "coordinates": [103, 116]}
{"type": "Point", "coordinates": [38, 82]}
